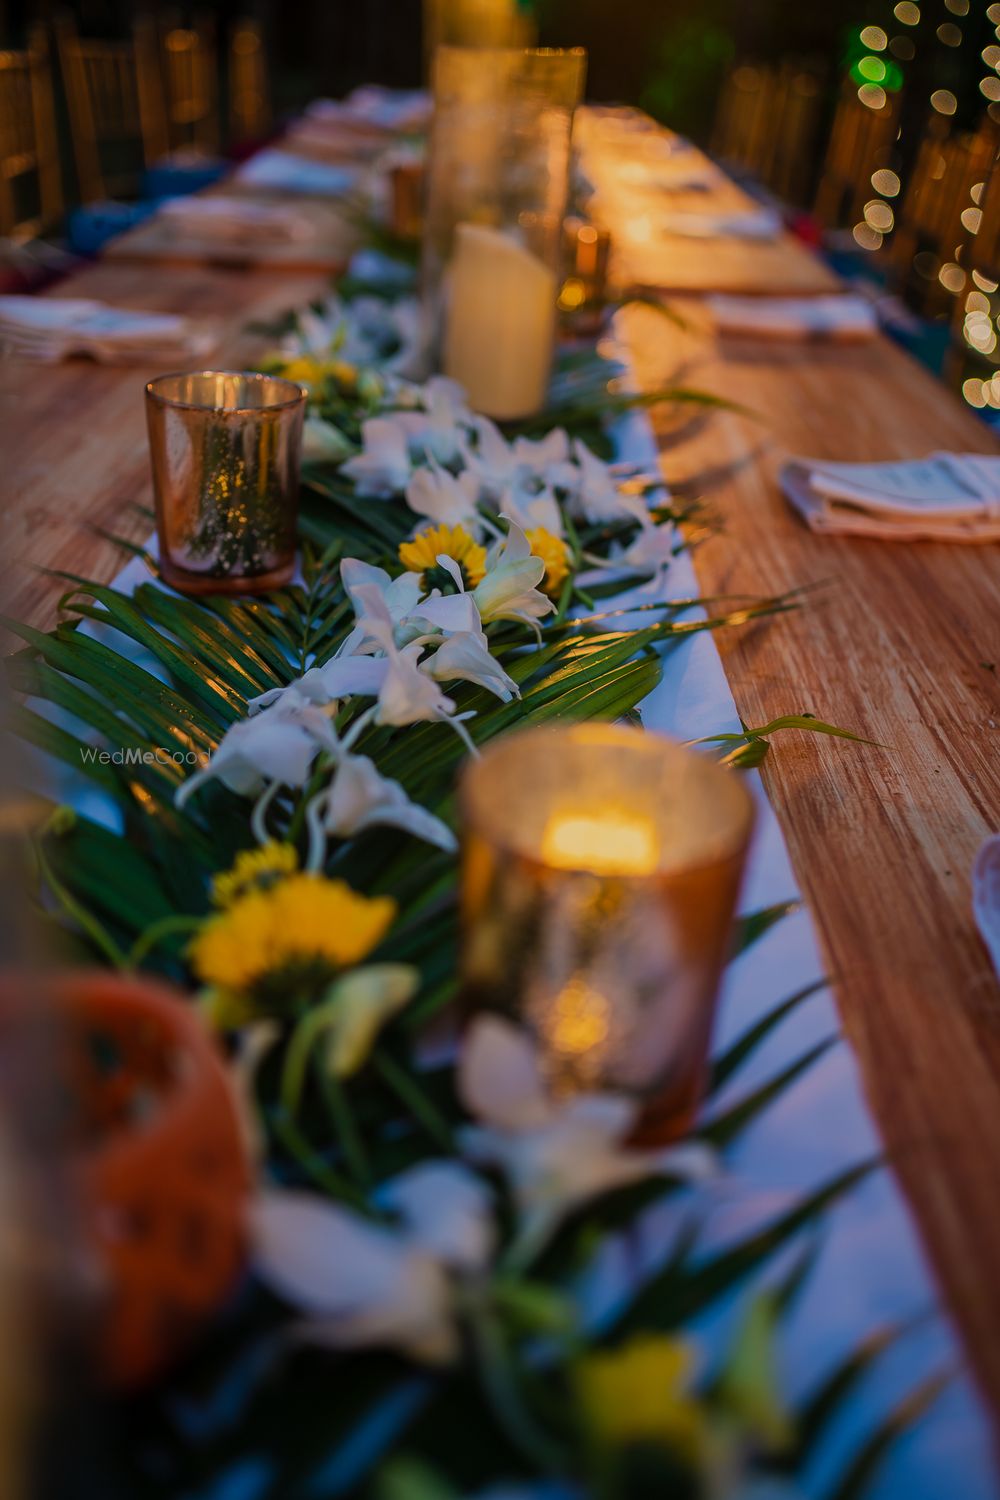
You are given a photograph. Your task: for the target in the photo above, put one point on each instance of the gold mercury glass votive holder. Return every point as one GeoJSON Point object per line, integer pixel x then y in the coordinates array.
{"type": "Point", "coordinates": [407, 180]}
{"type": "Point", "coordinates": [226, 449]}
{"type": "Point", "coordinates": [601, 868]}
{"type": "Point", "coordinates": [587, 255]}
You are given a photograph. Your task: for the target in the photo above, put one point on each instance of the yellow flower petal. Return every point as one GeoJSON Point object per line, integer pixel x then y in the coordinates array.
{"type": "Point", "coordinates": [554, 554]}
{"type": "Point", "coordinates": [254, 867]}
{"type": "Point", "coordinates": [637, 1393]}
{"type": "Point", "coordinates": [421, 554]}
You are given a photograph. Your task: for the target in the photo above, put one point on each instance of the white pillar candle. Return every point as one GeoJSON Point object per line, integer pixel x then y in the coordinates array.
{"type": "Point", "coordinates": [499, 322]}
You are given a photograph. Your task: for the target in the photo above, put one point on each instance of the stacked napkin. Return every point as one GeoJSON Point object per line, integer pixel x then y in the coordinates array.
{"type": "Point", "coordinates": [234, 221]}
{"type": "Point", "coordinates": [839, 317]}
{"type": "Point", "coordinates": [371, 104]}
{"type": "Point", "coordinates": [948, 497]}
{"type": "Point", "coordinates": [284, 172]}
{"type": "Point", "coordinates": [755, 224]}
{"type": "Point", "coordinates": [51, 328]}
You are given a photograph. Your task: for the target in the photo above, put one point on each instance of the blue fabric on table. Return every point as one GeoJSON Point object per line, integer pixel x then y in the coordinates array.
{"type": "Point", "coordinates": [90, 227]}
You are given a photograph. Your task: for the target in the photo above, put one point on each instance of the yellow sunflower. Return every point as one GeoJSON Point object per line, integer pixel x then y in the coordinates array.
{"type": "Point", "coordinates": [554, 553]}
{"type": "Point", "coordinates": [310, 370]}
{"type": "Point", "coordinates": [421, 555]}
{"type": "Point", "coordinates": [639, 1393]}
{"type": "Point", "coordinates": [303, 924]}
{"type": "Point", "coordinates": [254, 869]}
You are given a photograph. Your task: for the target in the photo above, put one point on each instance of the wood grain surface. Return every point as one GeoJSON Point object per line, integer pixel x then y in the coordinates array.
{"type": "Point", "coordinates": [900, 643]}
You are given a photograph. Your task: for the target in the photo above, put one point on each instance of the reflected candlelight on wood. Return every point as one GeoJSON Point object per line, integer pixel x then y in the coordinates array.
{"type": "Point", "coordinates": [600, 874]}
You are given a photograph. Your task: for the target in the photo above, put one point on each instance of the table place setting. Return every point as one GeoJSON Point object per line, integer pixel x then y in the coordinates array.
{"type": "Point", "coordinates": [759, 225]}
{"type": "Point", "coordinates": [278, 171]}
{"type": "Point", "coordinates": [946, 497]}
{"type": "Point", "coordinates": [234, 220]}
{"type": "Point", "coordinates": [844, 318]}
{"type": "Point", "coordinates": [54, 328]}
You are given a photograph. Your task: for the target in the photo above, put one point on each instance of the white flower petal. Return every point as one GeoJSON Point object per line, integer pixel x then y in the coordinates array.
{"type": "Point", "coordinates": [359, 797]}
{"type": "Point", "coordinates": [322, 1258]}
{"type": "Point", "coordinates": [446, 1212]}
{"type": "Point", "coordinates": [499, 1076]}
{"type": "Point", "coordinates": [465, 657]}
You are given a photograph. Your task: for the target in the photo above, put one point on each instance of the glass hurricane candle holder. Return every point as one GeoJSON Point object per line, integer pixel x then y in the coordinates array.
{"type": "Point", "coordinates": [601, 867]}
{"type": "Point", "coordinates": [476, 23]}
{"type": "Point", "coordinates": [226, 449]}
{"type": "Point", "coordinates": [497, 187]}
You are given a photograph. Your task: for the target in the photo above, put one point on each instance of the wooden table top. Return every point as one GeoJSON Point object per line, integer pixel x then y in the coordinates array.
{"type": "Point", "coordinates": [902, 644]}
{"type": "Point", "coordinates": [648, 254]}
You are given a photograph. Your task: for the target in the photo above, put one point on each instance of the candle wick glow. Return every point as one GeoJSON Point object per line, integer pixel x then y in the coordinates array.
{"type": "Point", "coordinates": [605, 843]}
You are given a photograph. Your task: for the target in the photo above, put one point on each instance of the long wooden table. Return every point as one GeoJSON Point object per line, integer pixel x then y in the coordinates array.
{"type": "Point", "coordinates": [901, 644]}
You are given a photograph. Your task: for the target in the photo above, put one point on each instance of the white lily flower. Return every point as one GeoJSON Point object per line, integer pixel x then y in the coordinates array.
{"type": "Point", "coordinates": [277, 745]}
{"type": "Point", "coordinates": [555, 1154]}
{"type": "Point", "coordinates": [466, 657]}
{"type": "Point", "coordinates": [383, 467]}
{"type": "Point", "coordinates": [360, 797]}
{"type": "Point", "coordinates": [322, 442]}
{"type": "Point", "coordinates": [364, 1285]}
{"type": "Point", "coordinates": [651, 552]}
{"type": "Point", "coordinates": [597, 497]}
{"type": "Point", "coordinates": [444, 499]}
{"type": "Point", "coordinates": [508, 592]}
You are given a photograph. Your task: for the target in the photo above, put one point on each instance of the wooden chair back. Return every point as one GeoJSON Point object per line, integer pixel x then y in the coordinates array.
{"type": "Point", "coordinates": [31, 196]}
{"type": "Point", "coordinates": [116, 110]}
{"type": "Point", "coordinates": [940, 208]}
{"type": "Point", "coordinates": [249, 86]}
{"type": "Point", "coordinates": [862, 141]}
{"type": "Point", "coordinates": [766, 124]}
{"type": "Point", "coordinates": [190, 76]}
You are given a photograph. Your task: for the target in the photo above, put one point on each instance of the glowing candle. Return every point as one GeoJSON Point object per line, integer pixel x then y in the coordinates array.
{"type": "Point", "coordinates": [600, 872]}
{"type": "Point", "coordinates": [607, 842]}
{"type": "Point", "coordinates": [500, 322]}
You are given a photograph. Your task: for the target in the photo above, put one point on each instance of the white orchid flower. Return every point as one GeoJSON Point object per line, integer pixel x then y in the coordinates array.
{"type": "Point", "coordinates": [359, 797]}
{"type": "Point", "coordinates": [508, 592]}
{"type": "Point", "coordinates": [383, 467]}
{"type": "Point", "coordinates": [466, 657]}
{"type": "Point", "coordinates": [398, 595]}
{"type": "Point", "coordinates": [437, 430]}
{"type": "Point", "coordinates": [529, 509]}
{"type": "Point", "coordinates": [596, 497]}
{"type": "Point", "coordinates": [340, 677]}
{"type": "Point", "coordinates": [276, 746]}
{"type": "Point", "coordinates": [555, 1154]}
{"type": "Point", "coordinates": [651, 552]}
{"type": "Point", "coordinates": [407, 695]}
{"type": "Point", "coordinates": [322, 442]}
{"type": "Point", "coordinates": [364, 1285]}
{"type": "Point", "coordinates": [444, 499]}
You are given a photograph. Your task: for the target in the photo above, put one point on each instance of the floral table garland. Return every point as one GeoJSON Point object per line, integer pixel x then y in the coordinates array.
{"type": "Point", "coordinates": [434, 1214]}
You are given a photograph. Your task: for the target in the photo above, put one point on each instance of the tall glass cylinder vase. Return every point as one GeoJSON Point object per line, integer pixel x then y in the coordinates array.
{"type": "Point", "coordinates": [477, 23]}
{"type": "Point", "coordinates": [498, 182]}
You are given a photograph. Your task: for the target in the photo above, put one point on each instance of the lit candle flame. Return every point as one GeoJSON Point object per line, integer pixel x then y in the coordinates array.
{"type": "Point", "coordinates": [606, 843]}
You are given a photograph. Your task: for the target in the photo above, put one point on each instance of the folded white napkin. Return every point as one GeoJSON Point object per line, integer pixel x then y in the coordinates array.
{"type": "Point", "coordinates": [986, 896]}
{"type": "Point", "coordinates": [843, 317]}
{"type": "Point", "coordinates": [52, 328]}
{"type": "Point", "coordinates": [950, 497]}
{"type": "Point", "coordinates": [755, 224]}
{"type": "Point", "coordinates": [234, 220]}
{"type": "Point", "coordinates": [284, 172]}
{"type": "Point", "coordinates": [371, 104]}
